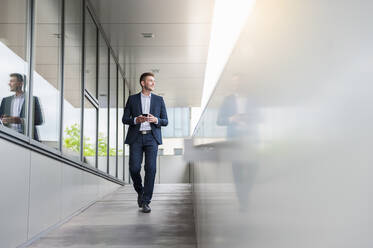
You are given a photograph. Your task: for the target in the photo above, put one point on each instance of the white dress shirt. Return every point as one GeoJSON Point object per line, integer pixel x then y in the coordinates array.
{"type": "Point", "coordinates": [145, 104]}
{"type": "Point", "coordinates": [17, 104]}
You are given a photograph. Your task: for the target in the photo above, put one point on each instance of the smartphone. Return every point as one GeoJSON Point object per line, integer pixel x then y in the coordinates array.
{"type": "Point", "coordinates": [146, 115]}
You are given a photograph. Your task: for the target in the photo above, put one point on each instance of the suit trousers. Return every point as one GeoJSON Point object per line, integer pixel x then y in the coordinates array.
{"type": "Point", "coordinates": [144, 144]}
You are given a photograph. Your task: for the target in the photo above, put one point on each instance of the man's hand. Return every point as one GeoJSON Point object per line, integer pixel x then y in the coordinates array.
{"type": "Point", "coordinates": [11, 120]}
{"type": "Point", "coordinates": [235, 119]}
{"type": "Point", "coordinates": [140, 119]}
{"type": "Point", "coordinates": [240, 120]}
{"type": "Point", "coordinates": [3, 119]}
{"type": "Point", "coordinates": [152, 119]}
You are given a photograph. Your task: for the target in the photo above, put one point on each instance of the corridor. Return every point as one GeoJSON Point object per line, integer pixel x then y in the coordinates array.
{"type": "Point", "coordinates": [256, 116]}
{"type": "Point", "coordinates": [116, 221]}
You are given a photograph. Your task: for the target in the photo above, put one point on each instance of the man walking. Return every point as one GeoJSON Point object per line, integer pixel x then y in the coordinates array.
{"type": "Point", "coordinates": [145, 113]}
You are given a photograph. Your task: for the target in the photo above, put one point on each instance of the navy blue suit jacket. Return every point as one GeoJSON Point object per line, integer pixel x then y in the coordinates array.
{"type": "Point", "coordinates": [133, 109]}
{"type": "Point", "coordinates": [6, 106]}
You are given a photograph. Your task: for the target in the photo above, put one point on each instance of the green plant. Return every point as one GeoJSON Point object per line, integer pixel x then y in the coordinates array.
{"type": "Point", "coordinates": [72, 138]}
{"type": "Point", "coordinates": [72, 141]}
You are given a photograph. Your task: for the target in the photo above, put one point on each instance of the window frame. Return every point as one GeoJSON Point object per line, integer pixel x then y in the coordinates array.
{"type": "Point", "coordinates": [25, 140]}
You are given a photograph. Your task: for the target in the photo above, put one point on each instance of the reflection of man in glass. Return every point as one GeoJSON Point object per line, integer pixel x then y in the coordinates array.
{"type": "Point", "coordinates": [240, 117]}
{"type": "Point", "coordinates": [12, 108]}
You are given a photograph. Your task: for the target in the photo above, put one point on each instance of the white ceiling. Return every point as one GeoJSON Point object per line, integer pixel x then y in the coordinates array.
{"type": "Point", "coordinates": [179, 48]}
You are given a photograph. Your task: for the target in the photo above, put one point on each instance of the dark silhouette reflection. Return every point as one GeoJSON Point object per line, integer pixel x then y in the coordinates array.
{"type": "Point", "coordinates": [240, 117]}
{"type": "Point", "coordinates": [13, 108]}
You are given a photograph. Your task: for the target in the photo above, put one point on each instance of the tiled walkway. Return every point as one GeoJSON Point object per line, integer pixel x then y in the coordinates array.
{"type": "Point", "coordinates": [116, 221]}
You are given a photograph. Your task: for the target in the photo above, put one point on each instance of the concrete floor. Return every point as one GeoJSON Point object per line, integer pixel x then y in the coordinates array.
{"type": "Point", "coordinates": [116, 221]}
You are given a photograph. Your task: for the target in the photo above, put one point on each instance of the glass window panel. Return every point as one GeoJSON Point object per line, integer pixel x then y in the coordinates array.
{"type": "Point", "coordinates": [168, 131]}
{"type": "Point", "coordinates": [89, 133]}
{"type": "Point", "coordinates": [120, 125]}
{"type": "Point", "coordinates": [177, 118]}
{"type": "Point", "coordinates": [113, 117]}
{"type": "Point", "coordinates": [46, 78]}
{"type": "Point", "coordinates": [178, 123]}
{"type": "Point", "coordinates": [183, 125]}
{"type": "Point", "coordinates": [90, 55]}
{"type": "Point", "coordinates": [103, 104]}
{"type": "Point", "coordinates": [186, 122]}
{"type": "Point", "coordinates": [126, 147]}
{"type": "Point", "coordinates": [72, 78]}
{"type": "Point", "coordinates": [13, 25]}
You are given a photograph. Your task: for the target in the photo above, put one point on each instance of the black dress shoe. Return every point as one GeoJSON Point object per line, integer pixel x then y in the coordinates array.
{"type": "Point", "coordinates": [146, 208]}
{"type": "Point", "coordinates": [139, 200]}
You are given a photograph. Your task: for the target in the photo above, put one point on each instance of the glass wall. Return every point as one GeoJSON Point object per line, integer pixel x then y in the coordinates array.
{"type": "Point", "coordinates": [178, 123]}
{"type": "Point", "coordinates": [121, 86]}
{"type": "Point", "coordinates": [89, 132]}
{"type": "Point", "coordinates": [126, 147]}
{"type": "Point", "coordinates": [62, 121]}
{"type": "Point", "coordinates": [72, 79]}
{"type": "Point", "coordinates": [13, 65]}
{"type": "Point", "coordinates": [90, 87]}
{"type": "Point", "coordinates": [103, 89]}
{"type": "Point", "coordinates": [90, 55]}
{"type": "Point", "coordinates": [126, 95]}
{"type": "Point", "coordinates": [113, 117]}
{"type": "Point", "coordinates": [46, 79]}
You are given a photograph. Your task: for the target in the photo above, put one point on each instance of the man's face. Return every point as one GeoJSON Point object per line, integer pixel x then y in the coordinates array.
{"type": "Point", "coordinates": [14, 84]}
{"type": "Point", "coordinates": [149, 83]}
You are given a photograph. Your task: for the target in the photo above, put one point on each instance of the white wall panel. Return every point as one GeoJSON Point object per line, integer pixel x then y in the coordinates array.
{"type": "Point", "coordinates": [14, 192]}
{"type": "Point", "coordinates": [38, 192]}
{"type": "Point", "coordinates": [45, 193]}
{"type": "Point", "coordinates": [112, 187]}
{"type": "Point", "coordinates": [101, 188]}
{"type": "Point", "coordinates": [106, 187]}
{"type": "Point", "coordinates": [173, 169]}
{"type": "Point", "coordinates": [72, 190]}
{"type": "Point", "coordinates": [90, 187]}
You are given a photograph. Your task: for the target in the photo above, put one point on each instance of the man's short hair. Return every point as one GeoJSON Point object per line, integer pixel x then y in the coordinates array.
{"type": "Point", "coordinates": [18, 76]}
{"type": "Point", "coordinates": [144, 75]}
